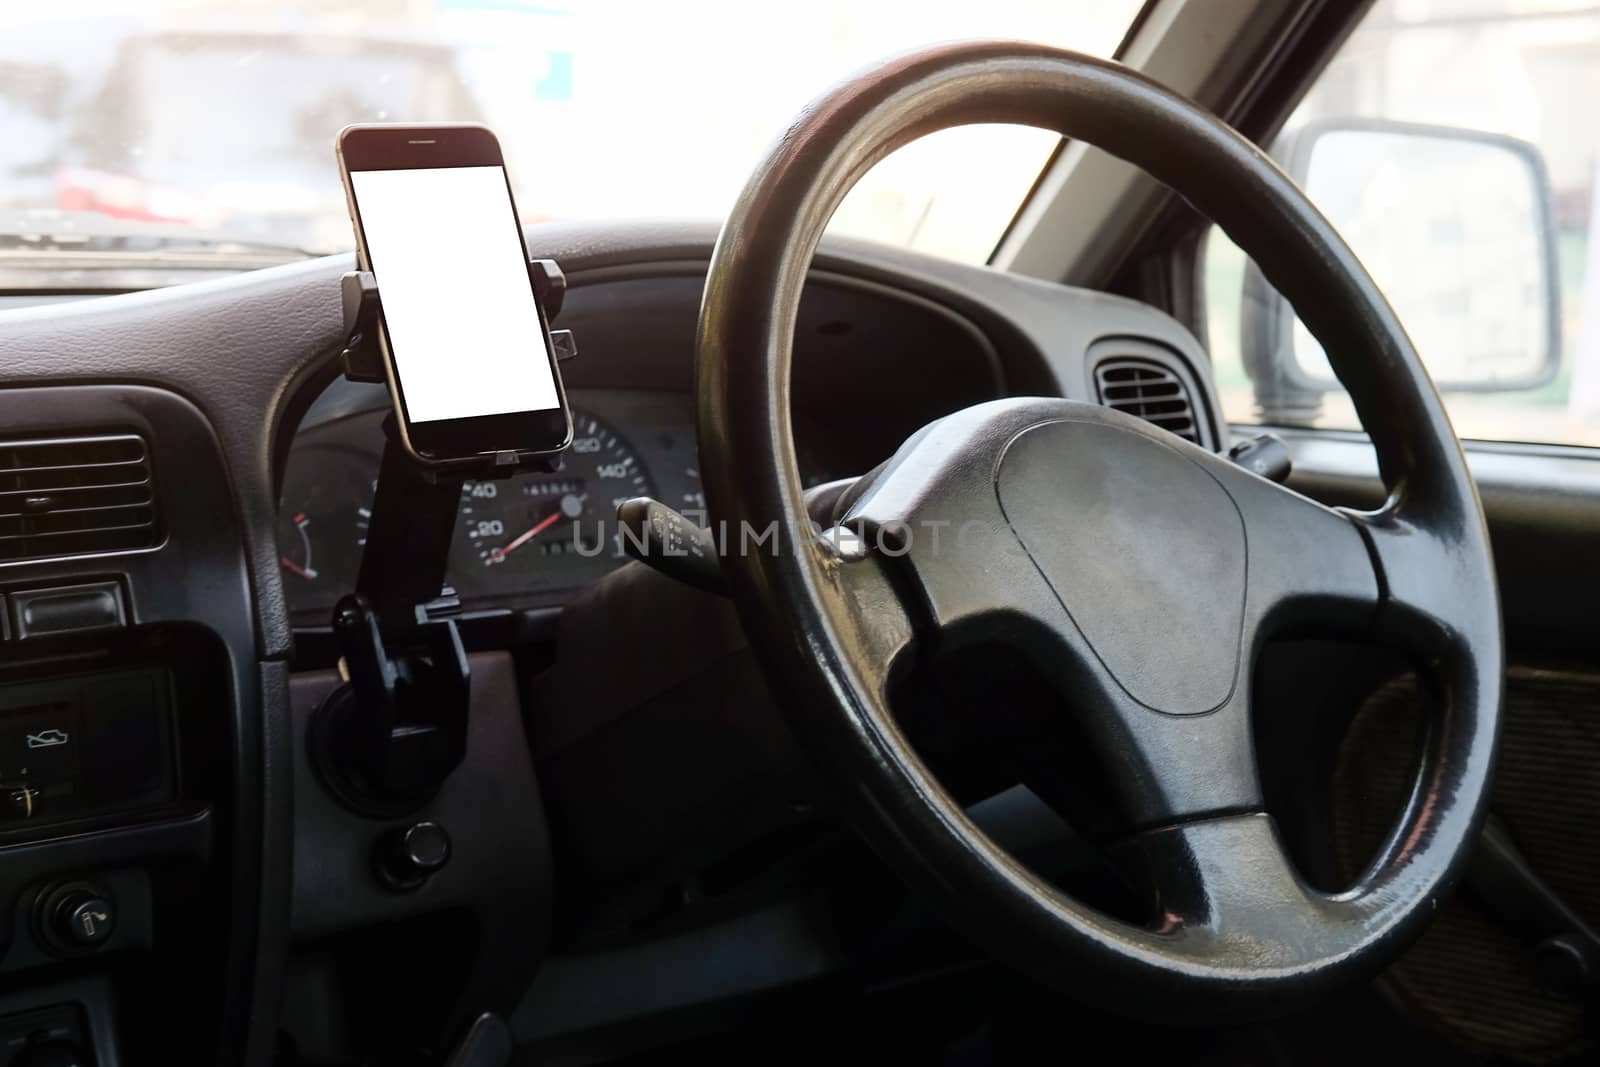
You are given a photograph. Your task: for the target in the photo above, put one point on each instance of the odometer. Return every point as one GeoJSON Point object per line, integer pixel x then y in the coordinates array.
{"type": "Point", "coordinates": [554, 530]}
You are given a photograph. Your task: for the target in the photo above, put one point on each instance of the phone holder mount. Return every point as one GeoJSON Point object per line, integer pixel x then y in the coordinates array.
{"type": "Point", "coordinates": [384, 742]}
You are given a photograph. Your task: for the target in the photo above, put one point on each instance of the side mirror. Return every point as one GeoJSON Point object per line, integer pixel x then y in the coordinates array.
{"type": "Point", "coordinates": [1456, 228]}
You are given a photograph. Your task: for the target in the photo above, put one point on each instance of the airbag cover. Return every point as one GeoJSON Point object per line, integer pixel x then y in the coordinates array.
{"type": "Point", "coordinates": [1145, 550]}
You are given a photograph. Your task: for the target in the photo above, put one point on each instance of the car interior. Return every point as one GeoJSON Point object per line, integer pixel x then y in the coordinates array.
{"type": "Point", "coordinates": [1076, 532]}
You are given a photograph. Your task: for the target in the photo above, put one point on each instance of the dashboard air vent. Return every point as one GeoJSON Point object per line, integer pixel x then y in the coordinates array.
{"type": "Point", "coordinates": [73, 496]}
{"type": "Point", "coordinates": [1146, 388]}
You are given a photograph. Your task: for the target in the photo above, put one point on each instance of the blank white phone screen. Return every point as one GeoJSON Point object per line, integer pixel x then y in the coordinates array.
{"type": "Point", "coordinates": [457, 303]}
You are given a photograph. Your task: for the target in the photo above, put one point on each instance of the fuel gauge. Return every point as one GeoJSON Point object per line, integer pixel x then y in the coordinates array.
{"type": "Point", "coordinates": [326, 493]}
{"type": "Point", "coordinates": [296, 555]}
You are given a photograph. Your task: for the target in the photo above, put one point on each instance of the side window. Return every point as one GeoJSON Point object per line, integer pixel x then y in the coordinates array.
{"type": "Point", "coordinates": [1454, 145]}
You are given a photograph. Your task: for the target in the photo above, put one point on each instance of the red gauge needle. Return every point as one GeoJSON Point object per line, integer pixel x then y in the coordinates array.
{"type": "Point", "coordinates": [292, 565]}
{"type": "Point", "coordinates": [540, 527]}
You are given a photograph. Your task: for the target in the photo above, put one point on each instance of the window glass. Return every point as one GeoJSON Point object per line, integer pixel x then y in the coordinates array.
{"type": "Point", "coordinates": [217, 117]}
{"type": "Point", "coordinates": [1454, 144]}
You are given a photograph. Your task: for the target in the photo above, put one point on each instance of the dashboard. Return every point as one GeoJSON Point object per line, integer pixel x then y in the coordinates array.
{"type": "Point", "coordinates": [234, 868]}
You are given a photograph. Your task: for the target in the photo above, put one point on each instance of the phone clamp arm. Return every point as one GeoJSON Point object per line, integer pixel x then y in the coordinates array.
{"type": "Point", "coordinates": [385, 741]}
{"type": "Point", "coordinates": [359, 292]}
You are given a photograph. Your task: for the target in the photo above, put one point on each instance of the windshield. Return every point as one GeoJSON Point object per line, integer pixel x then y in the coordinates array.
{"type": "Point", "coordinates": [215, 119]}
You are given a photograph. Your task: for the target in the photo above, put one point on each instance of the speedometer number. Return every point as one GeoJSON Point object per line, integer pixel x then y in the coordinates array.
{"type": "Point", "coordinates": [569, 514]}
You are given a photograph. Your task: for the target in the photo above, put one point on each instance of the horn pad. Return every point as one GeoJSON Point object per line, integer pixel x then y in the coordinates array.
{"type": "Point", "coordinates": [1145, 550]}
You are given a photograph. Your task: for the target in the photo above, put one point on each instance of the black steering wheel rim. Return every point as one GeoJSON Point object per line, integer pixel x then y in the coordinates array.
{"type": "Point", "coordinates": [825, 632]}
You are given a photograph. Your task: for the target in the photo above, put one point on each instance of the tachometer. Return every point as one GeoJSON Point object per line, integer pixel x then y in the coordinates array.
{"type": "Point", "coordinates": [559, 527]}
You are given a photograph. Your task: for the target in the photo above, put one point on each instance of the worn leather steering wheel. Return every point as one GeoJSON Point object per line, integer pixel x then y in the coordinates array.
{"type": "Point", "coordinates": [1141, 573]}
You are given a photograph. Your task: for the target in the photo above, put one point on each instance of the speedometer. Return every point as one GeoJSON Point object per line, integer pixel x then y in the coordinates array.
{"type": "Point", "coordinates": [560, 527]}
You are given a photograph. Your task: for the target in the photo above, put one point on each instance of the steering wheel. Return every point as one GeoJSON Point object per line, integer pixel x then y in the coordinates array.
{"type": "Point", "coordinates": [1141, 574]}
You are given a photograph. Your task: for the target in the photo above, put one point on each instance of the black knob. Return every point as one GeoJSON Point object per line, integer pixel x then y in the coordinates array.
{"type": "Point", "coordinates": [51, 1054]}
{"type": "Point", "coordinates": [406, 858]}
{"type": "Point", "coordinates": [78, 917]}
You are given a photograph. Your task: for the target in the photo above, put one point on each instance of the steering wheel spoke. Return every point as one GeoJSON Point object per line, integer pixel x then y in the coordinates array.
{"type": "Point", "coordinates": [1309, 567]}
{"type": "Point", "coordinates": [1226, 895]}
{"type": "Point", "coordinates": [869, 606]}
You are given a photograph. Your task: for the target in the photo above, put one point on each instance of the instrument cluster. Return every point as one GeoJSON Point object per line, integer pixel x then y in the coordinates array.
{"type": "Point", "coordinates": [527, 541]}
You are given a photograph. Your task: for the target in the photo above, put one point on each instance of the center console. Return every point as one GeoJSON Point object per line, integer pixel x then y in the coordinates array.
{"type": "Point", "coordinates": [133, 838]}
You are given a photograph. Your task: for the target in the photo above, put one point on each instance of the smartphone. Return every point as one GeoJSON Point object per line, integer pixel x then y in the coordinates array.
{"type": "Point", "coordinates": [464, 341]}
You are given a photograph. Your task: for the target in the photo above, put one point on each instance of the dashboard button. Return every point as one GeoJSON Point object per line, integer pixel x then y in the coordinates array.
{"type": "Point", "coordinates": [406, 858]}
{"type": "Point", "coordinates": [66, 609]}
{"type": "Point", "coordinates": [77, 917]}
{"type": "Point", "coordinates": [86, 920]}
